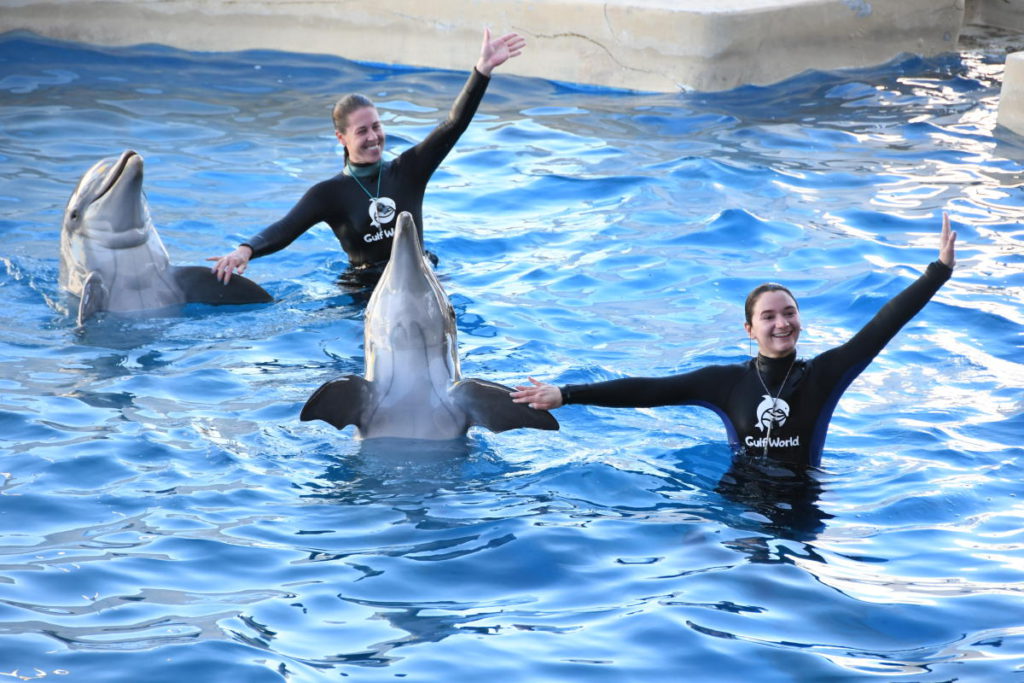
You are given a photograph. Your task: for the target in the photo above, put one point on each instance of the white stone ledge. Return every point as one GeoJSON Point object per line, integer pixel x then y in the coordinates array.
{"type": "Point", "coordinates": [651, 45]}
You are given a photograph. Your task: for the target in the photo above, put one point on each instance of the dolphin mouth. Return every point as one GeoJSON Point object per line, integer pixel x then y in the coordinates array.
{"type": "Point", "coordinates": [114, 174]}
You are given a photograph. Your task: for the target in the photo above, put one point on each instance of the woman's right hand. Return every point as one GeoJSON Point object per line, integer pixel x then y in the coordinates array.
{"type": "Point", "coordinates": [236, 261]}
{"type": "Point", "coordinates": [538, 395]}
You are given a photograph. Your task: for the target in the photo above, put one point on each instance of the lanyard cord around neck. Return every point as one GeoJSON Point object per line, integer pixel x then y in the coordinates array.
{"type": "Point", "coordinates": [775, 399]}
{"type": "Point", "coordinates": [380, 172]}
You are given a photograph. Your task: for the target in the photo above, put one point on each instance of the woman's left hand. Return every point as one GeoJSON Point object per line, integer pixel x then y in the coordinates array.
{"type": "Point", "coordinates": [947, 242]}
{"type": "Point", "coordinates": [494, 53]}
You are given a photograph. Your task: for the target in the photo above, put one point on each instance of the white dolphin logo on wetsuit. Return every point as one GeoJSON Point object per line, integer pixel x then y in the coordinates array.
{"type": "Point", "coordinates": [771, 412]}
{"type": "Point", "coordinates": [382, 211]}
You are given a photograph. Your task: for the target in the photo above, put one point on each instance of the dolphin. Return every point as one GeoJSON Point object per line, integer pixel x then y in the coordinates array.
{"type": "Point", "coordinates": [112, 258]}
{"type": "Point", "coordinates": [412, 386]}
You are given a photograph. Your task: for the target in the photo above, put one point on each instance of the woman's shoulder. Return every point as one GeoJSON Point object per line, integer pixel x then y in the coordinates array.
{"type": "Point", "coordinates": [332, 184]}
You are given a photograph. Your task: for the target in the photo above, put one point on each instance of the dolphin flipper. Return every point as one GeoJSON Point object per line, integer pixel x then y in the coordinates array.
{"type": "Point", "coordinates": [339, 402]}
{"type": "Point", "coordinates": [94, 297]}
{"type": "Point", "coordinates": [201, 286]}
{"type": "Point", "coordinates": [489, 405]}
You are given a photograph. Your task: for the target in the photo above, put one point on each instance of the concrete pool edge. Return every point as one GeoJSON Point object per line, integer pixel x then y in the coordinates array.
{"type": "Point", "coordinates": [644, 45]}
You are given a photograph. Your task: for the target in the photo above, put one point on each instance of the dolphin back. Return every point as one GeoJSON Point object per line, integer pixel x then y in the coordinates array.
{"type": "Point", "coordinates": [488, 405]}
{"type": "Point", "coordinates": [201, 286]}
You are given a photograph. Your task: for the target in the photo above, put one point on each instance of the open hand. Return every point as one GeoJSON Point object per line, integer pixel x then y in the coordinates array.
{"type": "Point", "coordinates": [538, 395]}
{"type": "Point", "coordinates": [236, 261]}
{"type": "Point", "coordinates": [494, 53]}
{"type": "Point", "coordinates": [947, 242]}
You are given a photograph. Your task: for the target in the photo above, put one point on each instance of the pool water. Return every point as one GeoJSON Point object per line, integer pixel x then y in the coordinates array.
{"type": "Point", "coordinates": [165, 516]}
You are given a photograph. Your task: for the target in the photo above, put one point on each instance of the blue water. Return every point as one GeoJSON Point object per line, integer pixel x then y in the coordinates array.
{"type": "Point", "coordinates": [165, 516]}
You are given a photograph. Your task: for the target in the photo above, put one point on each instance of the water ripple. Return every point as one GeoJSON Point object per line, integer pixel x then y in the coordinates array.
{"type": "Point", "coordinates": [165, 513]}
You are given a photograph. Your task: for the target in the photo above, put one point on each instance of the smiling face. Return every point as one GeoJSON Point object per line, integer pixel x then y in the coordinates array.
{"type": "Point", "coordinates": [363, 136]}
{"type": "Point", "coordinates": [775, 323]}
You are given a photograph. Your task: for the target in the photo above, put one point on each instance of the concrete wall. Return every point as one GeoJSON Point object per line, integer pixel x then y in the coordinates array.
{"type": "Point", "coordinates": [1008, 14]}
{"type": "Point", "coordinates": [656, 45]}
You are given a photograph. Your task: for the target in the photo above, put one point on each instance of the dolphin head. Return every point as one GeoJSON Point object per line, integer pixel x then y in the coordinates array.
{"type": "Point", "coordinates": [106, 212]}
{"type": "Point", "coordinates": [409, 312]}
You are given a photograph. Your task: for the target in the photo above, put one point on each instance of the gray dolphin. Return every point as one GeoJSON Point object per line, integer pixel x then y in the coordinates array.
{"type": "Point", "coordinates": [113, 259]}
{"type": "Point", "coordinates": [413, 387]}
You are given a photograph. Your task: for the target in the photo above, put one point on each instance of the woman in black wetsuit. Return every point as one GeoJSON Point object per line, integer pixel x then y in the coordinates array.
{"type": "Point", "coordinates": [362, 202]}
{"type": "Point", "coordinates": [775, 405]}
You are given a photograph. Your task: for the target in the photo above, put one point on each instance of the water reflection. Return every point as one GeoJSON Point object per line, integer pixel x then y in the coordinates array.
{"type": "Point", "coordinates": [387, 469]}
{"type": "Point", "coordinates": [752, 494]}
{"type": "Point", "coordinates": [785, 500]}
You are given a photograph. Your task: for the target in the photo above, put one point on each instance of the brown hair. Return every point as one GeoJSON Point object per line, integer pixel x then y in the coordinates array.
{"type": "Point", "coordinates": [755, 294]}
{"type": "Point", "coordinates": [344, 107]}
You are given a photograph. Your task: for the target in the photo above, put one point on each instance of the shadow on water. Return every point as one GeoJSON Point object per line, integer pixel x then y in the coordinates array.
{"type": "Point", "coordinates": [785, 499]}
{"type": "Point", "coordinates": [358, 283]}
{"type": "Point", "coordinates": [769, 498]}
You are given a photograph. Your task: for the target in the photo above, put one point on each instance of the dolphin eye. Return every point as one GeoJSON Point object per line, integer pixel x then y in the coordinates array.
{"type": "Point", "coordinates": [74, 214]}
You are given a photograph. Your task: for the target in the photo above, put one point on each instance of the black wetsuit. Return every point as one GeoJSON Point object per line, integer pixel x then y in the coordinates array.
{"type": "Point", "coordinates": [344, 205]}
{"type": "Point", "coordinates": [793, 430]}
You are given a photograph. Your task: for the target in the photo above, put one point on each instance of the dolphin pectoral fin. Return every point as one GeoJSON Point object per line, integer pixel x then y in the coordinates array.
{"type": "Point", "coordinates": [339, 402]}
{"type": "Point", "coordinates": [489, 405]}
{"type": "Point", "coordinates": [201, 286]}
{"type": "Point", "coordinates": [94, 297]}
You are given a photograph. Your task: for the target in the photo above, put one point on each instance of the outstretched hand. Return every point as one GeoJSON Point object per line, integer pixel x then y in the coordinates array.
{"type": "Point", "coordinates": [236, 261]}
{"type": "Point", "coordinates": [539, 396]}
{"type": "Point", "coordinates": [947, 242]}
{"type": "Point", "coordinates": [494, 53]}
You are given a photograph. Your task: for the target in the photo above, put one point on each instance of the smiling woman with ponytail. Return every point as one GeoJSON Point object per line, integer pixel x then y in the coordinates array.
{"type": "Point", "coordinates": [361, 202]}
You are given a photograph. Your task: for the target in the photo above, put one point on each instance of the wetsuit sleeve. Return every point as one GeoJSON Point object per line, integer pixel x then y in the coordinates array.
{"type": "Point", "coordinates": [309, 211]}
{"type": "Point", "coordinates": [431, 151]}
{"type": "Point", "coordinates": [697, 387]}
{"type": "Point", "coordinates": [873, 337]}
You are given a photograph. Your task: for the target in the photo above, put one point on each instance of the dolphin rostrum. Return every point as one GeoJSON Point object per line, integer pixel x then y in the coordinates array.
{"type": "Point", "coordinates": [413, 387]}
{"type": "Point", "coordinates": [112, 258]}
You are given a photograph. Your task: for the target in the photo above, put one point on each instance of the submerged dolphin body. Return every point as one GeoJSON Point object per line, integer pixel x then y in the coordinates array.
{"type": "Point", "coordinates": [412, 386]}
{"type": "Point", "coordinates": [113, 259]}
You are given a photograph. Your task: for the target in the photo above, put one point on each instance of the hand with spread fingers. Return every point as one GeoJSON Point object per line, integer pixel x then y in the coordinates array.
{"type": "Point", "coordinates": [538, 395]}
{"type": "Point", "coordinates": [235, 262]}
{"type": "Point", "coordinates": [494, 53]}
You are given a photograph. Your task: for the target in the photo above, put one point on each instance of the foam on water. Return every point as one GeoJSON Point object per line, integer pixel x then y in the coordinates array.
{"type": "Point", "coordinates": [166, 517]}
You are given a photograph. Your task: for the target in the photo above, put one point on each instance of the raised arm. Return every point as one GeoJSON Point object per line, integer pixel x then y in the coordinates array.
{"type": "Point", "coordinates": [494, 53]}
{"type": "Point", "coordinates": [890, 319]}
